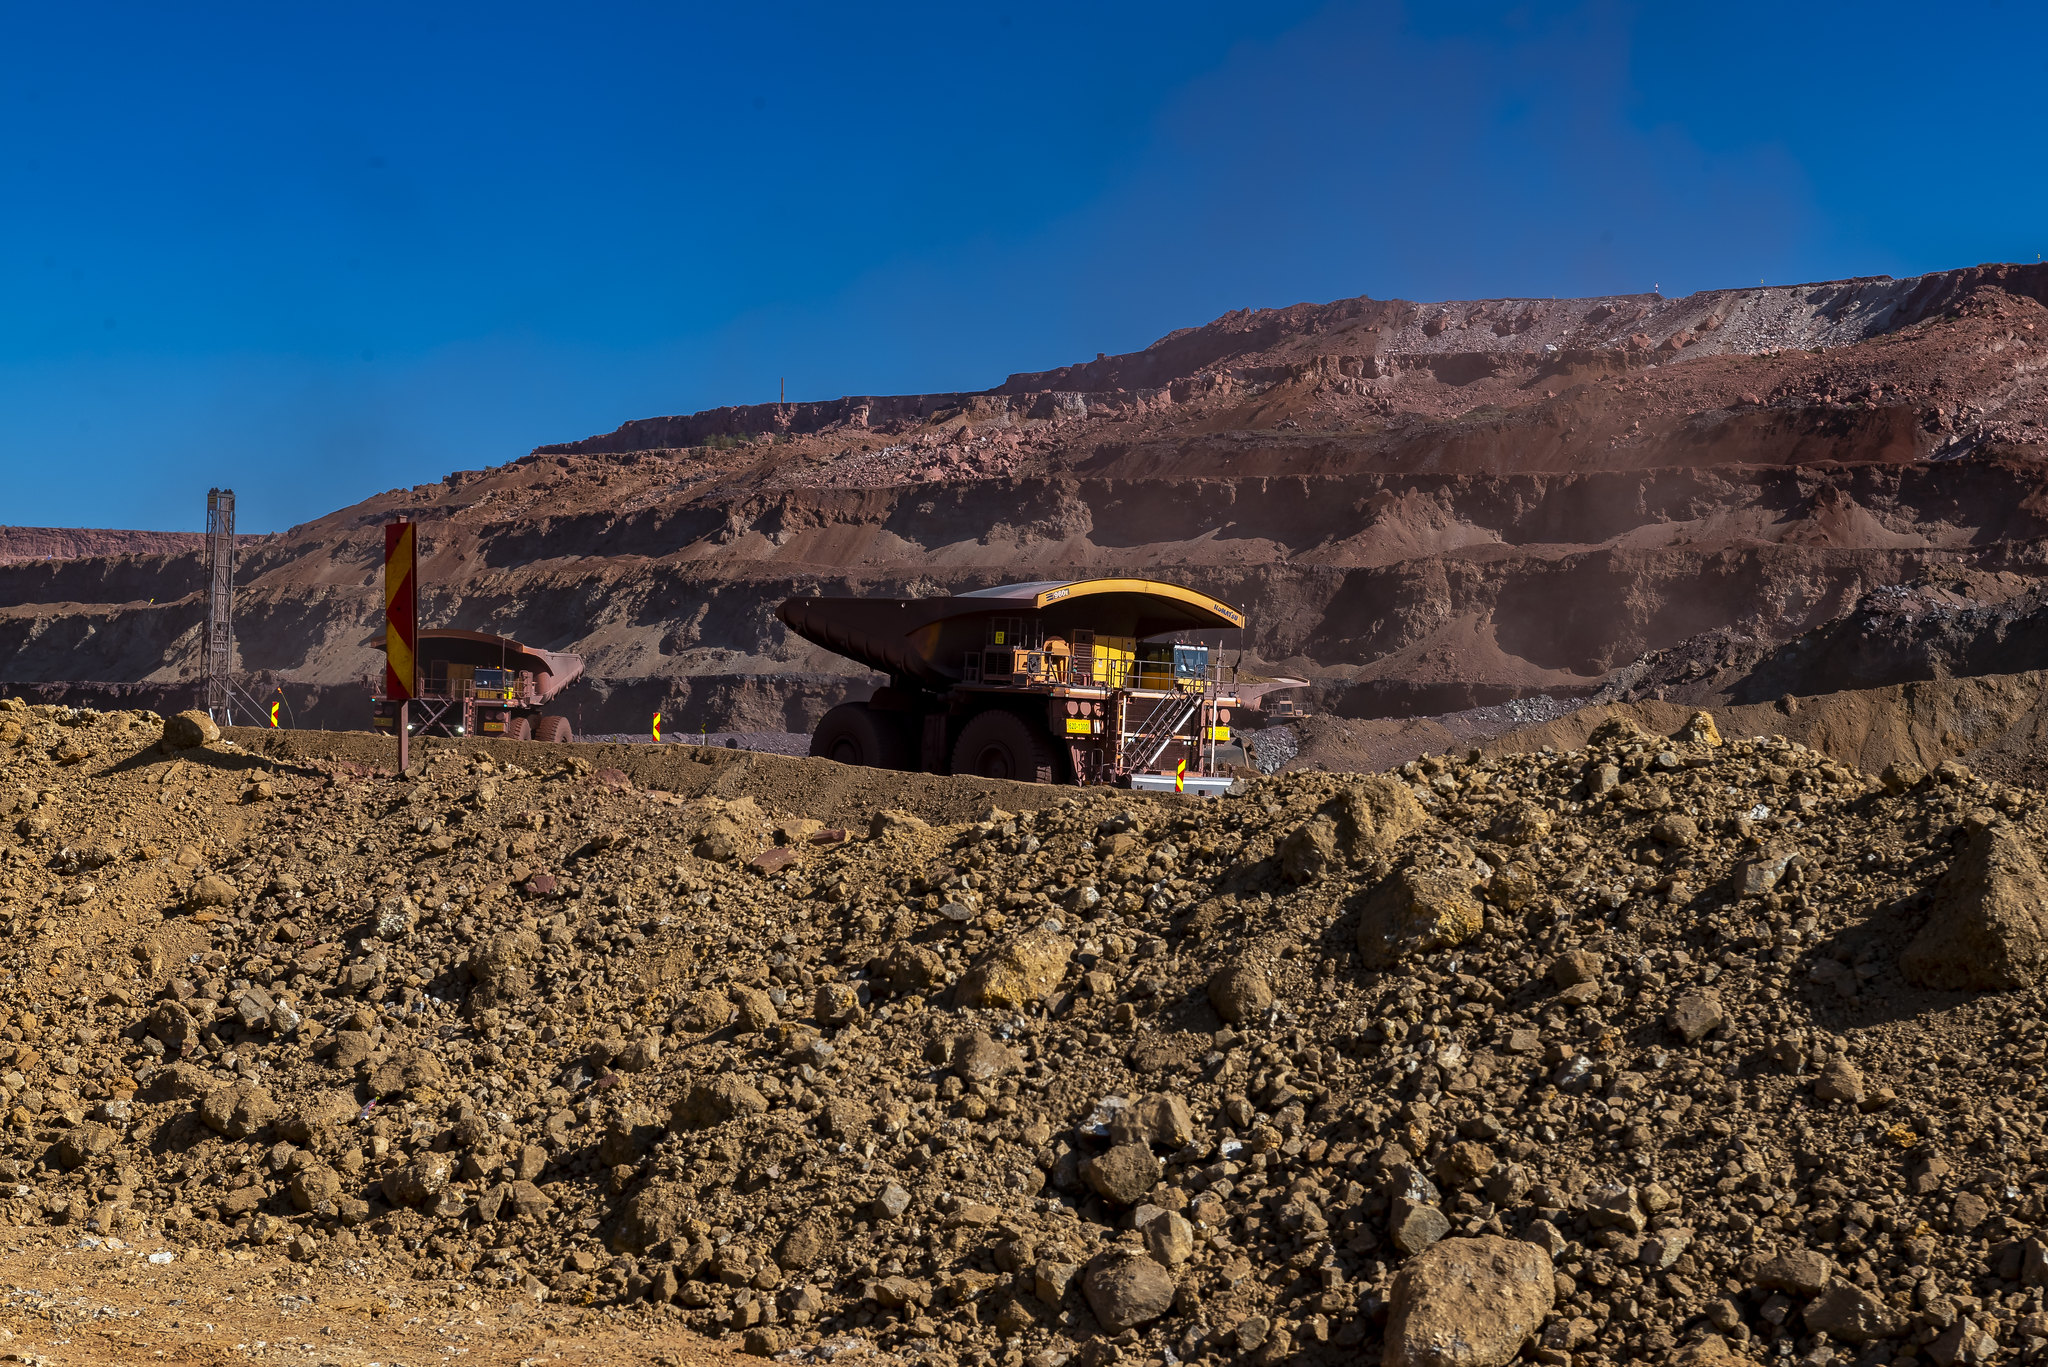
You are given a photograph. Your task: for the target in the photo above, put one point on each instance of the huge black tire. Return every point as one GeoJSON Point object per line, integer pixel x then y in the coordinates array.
{"type": "Point", "coordinates": [554, 730]}
{"type": "Point", "coordinates": [519, 728]}
{"type": "Point", "coordinates": [1000, 744]}
{"type": "Point", "coordinates": [854, 733]}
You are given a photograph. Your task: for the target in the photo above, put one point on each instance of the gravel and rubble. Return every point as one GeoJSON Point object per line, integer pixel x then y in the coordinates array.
{"type": "Point", "coordinates": [762, 742]}
{"type": "Point", "coordinates": [1661, 1048]}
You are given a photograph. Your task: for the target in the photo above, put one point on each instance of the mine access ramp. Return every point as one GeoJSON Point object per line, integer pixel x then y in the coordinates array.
{"type": "Point", "coordinates": [1095, 681]}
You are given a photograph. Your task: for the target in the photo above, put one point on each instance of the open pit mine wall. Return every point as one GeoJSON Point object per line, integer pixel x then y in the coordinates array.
{"type": "Point", "coordinates": [1456, 342]}
{"type": "Point", "coordinates": [72, 543]}
{"type": "Point", "coordinates": [1399, 595]}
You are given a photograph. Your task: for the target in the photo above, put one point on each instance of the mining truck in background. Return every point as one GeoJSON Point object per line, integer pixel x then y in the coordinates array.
{"type": "Point", "coordinates": [1094, 681]}
{"type": "Point", "coordinates": [475, 684]}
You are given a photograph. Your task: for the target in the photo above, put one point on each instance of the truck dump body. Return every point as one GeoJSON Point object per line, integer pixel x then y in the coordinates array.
{"type": "Point", "coordinates": [929, 639]}
{"type": "Point", "coordinates": [1051, 680]}
{"type": "Point", "coordinates": [445, 653]}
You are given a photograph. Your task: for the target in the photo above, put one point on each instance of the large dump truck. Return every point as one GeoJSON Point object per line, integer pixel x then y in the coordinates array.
{"type": "Point", "coordinates": [472, 683]}
{"type": "Point", "coordinates": [1095, 681]}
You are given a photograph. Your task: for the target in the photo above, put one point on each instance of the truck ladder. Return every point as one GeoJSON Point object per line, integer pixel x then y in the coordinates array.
{"type": "Point", "coordinates": [1161, 728]}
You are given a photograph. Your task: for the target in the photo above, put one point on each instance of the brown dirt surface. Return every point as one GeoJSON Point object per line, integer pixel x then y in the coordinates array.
{"type": "Point", "coordinates": [70, 1302]}
{"type": "Point", "coordinates": [1625, 1024]}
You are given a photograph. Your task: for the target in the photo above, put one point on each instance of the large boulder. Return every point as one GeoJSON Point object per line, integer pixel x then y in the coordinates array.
{"type": "Point", "coordinates": [894, 821]}
{"type": "Point", "coordinates": [406, 1070]}
{"type": "Point", "coordinates": [1988, 928]}
{"type": "Point", "coordinates": [1416, 910]}
{"type": "Point", "coordinates": [1699, 730]}
{"type": "Point", "coordinates": [1126, 1288]}
{"type": "Point", "coordinates": [419, 1181]}
{"type": "Point", "coordinates": [237, 1110]}
{"type": "Point", "coordinates": [1362, 822]}
{"type": "Point", "coordinates": [503, 968]}
{"type": "Point", "coordinates": [189, 730]}
{"type": "Point", "coordinates": [210, 891]}
{"type": "Point", "coordinates": [1852, 1315]}
{"type": "Point", "coordinates": [1240, 992]}
{"type": "Point", "coordinates": [1123, 1174]}
{"type": "Point", "coordinates": [174, 1025]}
{"type": "Point", "coordinates": [809, 1243]}
{"type": "Point", "coordinates": [319, 1119]}
{"type": "Point", "coordinates": [1019, 973]}
{"type": "Point", "coordinates": [316, 1190]}
{"type": "Point", "coordinates": [516, 1200]}
{"type": "Point", "coordinates": [977, 1057]}
{"type": "Point", "coordinates": [914, 969]}
{"type": "Point", "coordinates": [630, 1134]}
{"type": "Point", "coordinates": [1372, 814]}
{"type": "Point", "coordinates": [1468, 1303]}
{"type": "Point", "coordinates": [1801, 1271]}
{"type": "Point", "coordinates": [1696, 1014]}
{"type": "Point", "coordinates": [655, 1214]}
{"type": "Point", "coordinates": [699, 1013]}
{"type": "Point", "coordinates": [1309, 850]}
{"type": "Point", "coordinates": [84, 1144]}
{"type": "Point", "coordinates": [714, 1102]}
{"type": "Point", "coordinates": [1155, 1118]}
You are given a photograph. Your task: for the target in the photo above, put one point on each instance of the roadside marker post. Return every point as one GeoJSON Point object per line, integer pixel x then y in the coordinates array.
{"type": "Point", "coordinates": [401, 626]}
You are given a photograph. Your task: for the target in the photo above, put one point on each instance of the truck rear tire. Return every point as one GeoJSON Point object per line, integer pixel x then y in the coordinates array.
{"type": "Point", "coordinates": [519, 728]}
{"type": "Point", "coordinates": [1000, 744]}
{"type": "Point", "coordinates": [854, 733]}
{"type": "Point", "coordinates": [554, 730]}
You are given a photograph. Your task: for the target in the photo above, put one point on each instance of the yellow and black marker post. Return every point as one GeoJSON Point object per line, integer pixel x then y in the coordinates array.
{"type": "Point", "coordinates": [401, 625]}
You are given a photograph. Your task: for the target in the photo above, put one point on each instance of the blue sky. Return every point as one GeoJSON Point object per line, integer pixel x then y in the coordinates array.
{"type": "Point", "coordinates": [315, 252]}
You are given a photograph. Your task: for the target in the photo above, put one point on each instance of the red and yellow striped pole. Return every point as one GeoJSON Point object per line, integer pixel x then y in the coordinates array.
{"type": "Point", "coordinates": [401, 625]}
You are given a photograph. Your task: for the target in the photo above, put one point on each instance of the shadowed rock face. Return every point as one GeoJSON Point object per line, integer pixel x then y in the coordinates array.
{"type": "Point", "coordinates": [1423, 507]}
{"type": "Point", "coordinates": [1988, 927]}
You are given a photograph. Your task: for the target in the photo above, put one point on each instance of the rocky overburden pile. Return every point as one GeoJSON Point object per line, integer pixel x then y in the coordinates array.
{"type": "Point", "coordinates": [1670, 1046]}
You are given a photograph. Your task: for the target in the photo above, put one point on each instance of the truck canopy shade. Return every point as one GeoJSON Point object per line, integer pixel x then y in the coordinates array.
{"type": "Point", "coordinates": [552, 670]}
{"type": "Point", "coordinates": [926, 639]}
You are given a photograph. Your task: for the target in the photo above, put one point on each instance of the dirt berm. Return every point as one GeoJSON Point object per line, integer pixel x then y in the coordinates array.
{"type": "Point", "coordinates": [1625, 1050]}
{"type": "Point", "coordinates": [836, 794]}
{"type": "Point", "coordinates": [1995, 723]}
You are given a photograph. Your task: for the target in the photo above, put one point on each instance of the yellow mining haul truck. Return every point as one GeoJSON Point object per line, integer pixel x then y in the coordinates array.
{"type": "Point", "coordinates": [1099, 681]}
{"type": "Point", "coordinates": [472, 683]}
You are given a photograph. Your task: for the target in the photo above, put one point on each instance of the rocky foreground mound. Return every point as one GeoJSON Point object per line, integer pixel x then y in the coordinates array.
{"type": "Point", "coordinates": [1660, 1047]}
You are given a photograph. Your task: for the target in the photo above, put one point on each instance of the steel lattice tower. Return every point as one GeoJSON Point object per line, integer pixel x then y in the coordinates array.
{"type": "Point", "coordinates": [220, 600]}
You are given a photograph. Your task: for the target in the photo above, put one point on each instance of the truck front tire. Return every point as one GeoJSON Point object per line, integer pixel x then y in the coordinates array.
{"type": "Point", "coordinates": [554, 730]}
{"type": "Point", "coordinates": [854, 733]}
{"type": "Point", "coordinates": [1000, 744]}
